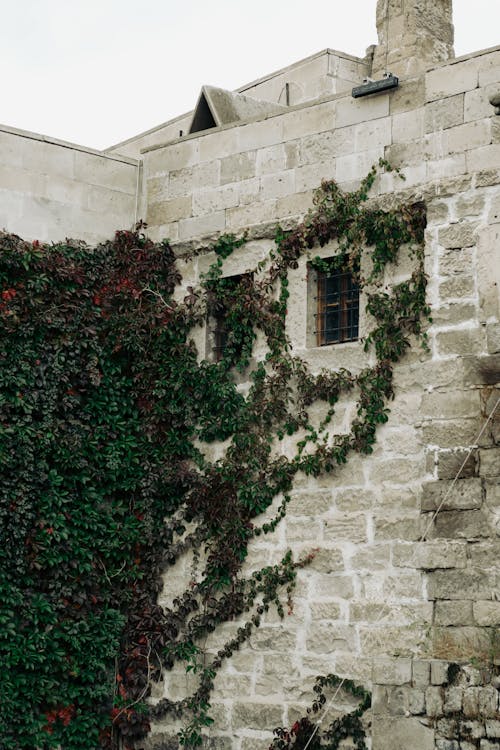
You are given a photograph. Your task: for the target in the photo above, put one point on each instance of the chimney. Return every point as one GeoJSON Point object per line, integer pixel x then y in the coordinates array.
{"type": "Point", "coordinates": [413, 35]}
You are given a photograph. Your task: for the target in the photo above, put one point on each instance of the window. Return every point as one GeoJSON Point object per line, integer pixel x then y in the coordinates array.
{"type": "Point", "coordinates": [337, 315]}
{"type": "Point", "coordinates": [218, 327]}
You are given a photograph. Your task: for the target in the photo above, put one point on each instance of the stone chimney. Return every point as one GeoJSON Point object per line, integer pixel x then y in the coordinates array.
{"type": "Point", "coordinates": [413, 35]}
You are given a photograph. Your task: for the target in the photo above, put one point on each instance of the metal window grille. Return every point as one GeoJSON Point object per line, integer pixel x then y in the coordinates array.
{"type": "Point", "coordinates": [337, 317]}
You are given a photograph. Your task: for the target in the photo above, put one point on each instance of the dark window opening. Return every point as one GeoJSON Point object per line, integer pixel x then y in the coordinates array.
{"type": "Point", "coordinates": [337, 316]}
{"type": "Point", "coordinates": [220, 328]}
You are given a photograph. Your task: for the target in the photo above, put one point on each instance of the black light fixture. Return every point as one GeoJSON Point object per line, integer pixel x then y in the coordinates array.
{"type": "Point", "coordinates": [376, 87]}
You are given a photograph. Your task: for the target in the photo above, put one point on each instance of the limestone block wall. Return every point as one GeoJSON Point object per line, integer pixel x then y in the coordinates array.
{"type": "Point", "coordinates": [395, 592]}
{"type": "Point", "coordinates": [323, 74]}
{"type": "Point", "coordinates": [434, 126]}
{"type": "Point", "coordinates": [50, 190]}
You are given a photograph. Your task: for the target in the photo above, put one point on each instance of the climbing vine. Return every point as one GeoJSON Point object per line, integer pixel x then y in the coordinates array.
{"type": "Point", "coordinates": [105, 407]}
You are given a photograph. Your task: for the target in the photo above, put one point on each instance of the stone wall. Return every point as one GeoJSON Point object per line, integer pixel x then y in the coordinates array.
{"type": "Point", "coordinates": [393, 593]}
{"type": "Point", "coordinates": [405, 577]}
{"type": "Point", "coordinates": [50, 190]}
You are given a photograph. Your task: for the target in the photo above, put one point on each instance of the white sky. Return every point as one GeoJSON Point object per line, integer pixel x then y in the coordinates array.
{"type": "Point", "coordinates": [97, 72]}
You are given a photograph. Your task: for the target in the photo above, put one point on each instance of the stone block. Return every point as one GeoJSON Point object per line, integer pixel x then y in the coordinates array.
{"type": "Point", "coordinates": [492, 488]}
{"type": "Point", "coordinates": [465, 524]}
{"type": "Point", "coordinates": [461, 643]}
{"type": "Point", "coordinates": [402, 527]}
{"type": "Point", "coordinates": [252, 715]}
{"type": "Point", "coordinates": [303, 529]}
{"type": "Point", "coordinates": [308, 121]}
{"type": "Point", "coordinates": [454, 313]}
{"type": "Point", "coordinates": [485, 157]}
{"type": "Point", "coordinates": [453, 613]}
{"type": "Point", "coordinates": [277, 185]}
{"type": "Point", "coordinates": [472, 729]}
{"type": "Point", "coordinates": [407, 126]}
{"type": "Point", "coordinates": [439, 672]}
{"type": "Point", "coordinates": [220, 142]}
{"type": "Point", "coordinates": [172, 157]}
{"type": "Point", "coordinates": [453, 433]}
{"type": "Point", "coordinates": [214, 199]}
{"type": "Point", "coordinates": [405, 154]}
{"type": "Point", "coordinates": [451, 79]}
{"type": "Point", "coordinates": [317, 148]}
{"type": "Point", "coordinates": [492, 727]}
{"type": "Point", "coordinates": [481, 370]}
{"type": "Point", "coordinates": [453, 697]}
{"type": "Point", "coordinates": [327, 637]}
{"type": "Point", "coordinates": [489, 462]}
{"type": "Point", "coordinates": [467, 494]}
{"type": "Point", "coordinates": [451, 404]}
{"type": "Point", "coordinates": [373, 134]}
{"type": "Point", "coordinates": [444, 113]}
{"type": "Point", "coordinates": [471, 702]}
{"type": "Point", "coordinates": [463, 341]}
{"type": "Point", "coordinates": [166, 212]}
{"type": "Point", "coordinates": [294, 205]}
{"type": "Point", "coordinates": [238, 167]}
{"type": "Point", "coordinates": [457, 288]}
{"type": "Point", "coordinates": [346, 527]}
{"type": "Point", "coordinates": [460, 235]}
{"type": "Point", "coordinates": [446, 167]}
{"type": "Point", "coordinates": [200, 226]}
{"type": "Point", "coordinates": [488, 702]}
{"type": "Point", "coordinates": [408, 96]}
{"type": "Point", "coordinates": [310, 176]}
{"type": "Point", "coordinates": [393, 733]}
{"type": "Point", "coordinates": [354, 167]}
{"type": "Point", "coordinates": [472, 583]}
{"type": "Point", "coordinates": [249, 191]}
{"type": "Point", "coordinates": [390, 639]}
{"type": "Point", "coordinates": [326, 611]}
{"type": "Point", "coordinates": [456, 464]}
{"type": "Point", "coordinates": [487, 613]}
{"type": "Point", "coordinates": [476, 103]}
{"type": "Point", "coordinates": [453, 262]}
{"type": "Point", "coordinates": [470, 205]}
{"type": "Point", "coordinates": [430, 555]}
{"type": "Point", "coordinates": [469, 136]}
{"type": "Point", "coordinates": [485, 555]}
{"type": "Point", "coordinates": [392, 671]}
{"type": "Point", "coordinates": [351, 111]}
{"type": "Point", "coordinates": [421, 673]}
{"type": "Point", "coordinates": [244, 216]}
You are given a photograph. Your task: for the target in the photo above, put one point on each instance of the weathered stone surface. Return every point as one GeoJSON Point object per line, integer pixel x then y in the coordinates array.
{"type": "Point", "coordinates": [487, 613]}
{"type": "Point", "coordinates": [461, 643]}
{"type": "Point", "coordinates": [465, 341]}
{"type": "Point", "coordinates": [257, 715]}
{"type": "Point", "coordinates": [401, 733]}
{"type": "Point", "coordinates": [453, 613]}
{"type": "Point", "coordinates": [456, 464]}
{"type": "Point", "coordinates": [430, 555]}
{"type": "Point", "coordinates": [392, 671]}
{"type": "Point", "coordinates": [467, 494]}
{"type": "Point", "coordinates": [421, 671]}
{"type": "Point", "coordinates": [458, 235]}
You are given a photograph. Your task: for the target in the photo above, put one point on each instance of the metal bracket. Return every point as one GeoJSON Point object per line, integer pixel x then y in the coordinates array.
{"type": "Point", "coordinates": [376, 87]}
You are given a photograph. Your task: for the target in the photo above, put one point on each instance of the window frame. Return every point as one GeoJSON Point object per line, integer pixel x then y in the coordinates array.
{"type": "Point", "coordinates": [343, 301]}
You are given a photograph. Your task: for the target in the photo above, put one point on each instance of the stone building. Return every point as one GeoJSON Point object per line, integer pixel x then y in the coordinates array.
{"type": "Point", "coordinates": [397, 591]}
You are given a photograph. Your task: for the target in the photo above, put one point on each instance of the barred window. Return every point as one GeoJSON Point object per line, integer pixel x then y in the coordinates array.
{"type": "Point", "coordinates": [220, 330]}
{"type": "Point", "coordinates": [337, 316]}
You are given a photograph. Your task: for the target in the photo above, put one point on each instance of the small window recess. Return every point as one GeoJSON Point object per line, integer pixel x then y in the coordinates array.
{"type": "Point", "coordinates": [337, 306]}
{"type": "Point", "coordinates": [217, 329]}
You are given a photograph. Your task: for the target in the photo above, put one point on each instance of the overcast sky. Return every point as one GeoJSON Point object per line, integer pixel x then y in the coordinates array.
{"type": "Point", "coordinates": [97, 72]}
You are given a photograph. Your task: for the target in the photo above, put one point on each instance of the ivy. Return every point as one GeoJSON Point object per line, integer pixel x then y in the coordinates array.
{"type": "Point", "coordinates": [105, 409]}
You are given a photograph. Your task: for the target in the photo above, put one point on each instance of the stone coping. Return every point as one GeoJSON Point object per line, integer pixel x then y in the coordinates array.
{"type": "Point", "coordinates": [66, 144]}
